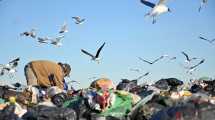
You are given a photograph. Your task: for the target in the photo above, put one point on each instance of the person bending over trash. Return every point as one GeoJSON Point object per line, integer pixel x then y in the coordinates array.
{"type": "Point", "coordinates": [46, 73]}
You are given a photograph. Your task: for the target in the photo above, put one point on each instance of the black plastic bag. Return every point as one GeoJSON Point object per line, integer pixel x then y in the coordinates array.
{"type": "Point", "coordinates": [50, 113]}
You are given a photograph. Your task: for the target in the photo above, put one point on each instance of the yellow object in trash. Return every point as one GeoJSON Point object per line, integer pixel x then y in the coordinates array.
{"type": "Point", "coordinates": [186, 93]}
{"type": "Point", "coordinates": [12, 100]}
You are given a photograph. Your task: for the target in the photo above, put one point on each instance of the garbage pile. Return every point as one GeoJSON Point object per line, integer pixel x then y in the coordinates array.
{"type": "Point", "coordinates": [166, 99]}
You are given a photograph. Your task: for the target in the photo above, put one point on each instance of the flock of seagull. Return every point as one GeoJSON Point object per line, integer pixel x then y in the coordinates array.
{"type": "Point", "coordinates": [56, 41]}
{"type": "Point", "coordinates": [156, 10]}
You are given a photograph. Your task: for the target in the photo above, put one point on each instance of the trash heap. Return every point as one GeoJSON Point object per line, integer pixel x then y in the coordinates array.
{"type": "Point", "coordinates": [166, 99]}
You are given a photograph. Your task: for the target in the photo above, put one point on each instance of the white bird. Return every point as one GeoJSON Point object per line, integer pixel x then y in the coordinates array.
{"type": "Point", "coordinates": [157, 9]}
{"type": "Point", "coordinates": [188, 59]}
{"type": "Point", "coordinates": [9, 67]}
{"type": "Point", "coordinates": [151, 62]}
{"type": "Point", "coordinates": [57, 41]}
{"type": "Point", "coordinates": [64, 28]}
{"type": "Point", "coordinates": [43, 40]}
{"type": "Point", "coordinates": [203, 38]}
{"type": "Point", "coordinates": [96, 57]}
{"type": "Point", "coordinates": [203, 2]}
{"type": "Point", "coordinates": [31, 33]}
{"type": "Point", "coordinates": [78, 20]}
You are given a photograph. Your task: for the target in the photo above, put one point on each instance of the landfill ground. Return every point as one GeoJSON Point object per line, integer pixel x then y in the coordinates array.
{"type": "Point", "coordinates": [166, 99]}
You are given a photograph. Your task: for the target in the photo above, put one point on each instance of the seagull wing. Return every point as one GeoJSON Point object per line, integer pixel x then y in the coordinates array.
{"type": "Point", "coordinates": [147, 3]}
{"type": "Point", "coordinates": [202, 61]}
{"type": "Point", "coordinates": [63, 28]}
{"type": "Point", "coordinates": [76, 18]}
{"type": "Point", "coordinates": [158, 59]}
{"type": "Point", "coordinates": [187, 57]}
{"type": "Point", "coordinates": [203, 38]}
{"type": "Point", "coordinates": [99, 50]}
{"type": "Point", "coordinates": [15, 60]}
{"type": "Point", "coordinates": [87, 53]}
{"type": "Point", "coordinates": [145, 61]}
{"type": "Point", "coordinates": [162, 2]}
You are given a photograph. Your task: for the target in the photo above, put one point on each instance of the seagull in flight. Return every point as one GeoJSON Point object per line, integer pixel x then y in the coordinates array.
{"type": "Point", "coordinates": [78, 20]}
{"type": "Point", "coordinates": [210, 41]}
{"type": "Point", "coordinates": [57, 41]}
{"type": "Point", "coordinates": [151, 62]}
{"type": "Point", "coordinates": [96, 57]}
{"type": "Point", "coordinates": [31, 33]}
{"type": "Point", "coordinates": [157, 9]}
{"type": "Point", "coordinates": [64, 28]}
{"type": "Point", "coordinates": [203, 2]}
{"type": "Point", "coordinates": [43, 40]}
{"type": "Point", "coordinates": [188, 59]}
{"type": "Point", "coordinates": [9, 67]}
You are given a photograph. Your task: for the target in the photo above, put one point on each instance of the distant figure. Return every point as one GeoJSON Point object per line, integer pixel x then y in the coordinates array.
{"type": "Point", "coordinates": [47, 73]}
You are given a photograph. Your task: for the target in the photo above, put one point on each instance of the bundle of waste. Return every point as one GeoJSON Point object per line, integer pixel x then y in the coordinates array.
{"type": "Point", "coordinates": [49, 113]}
{"type": "Point", "coordinates": [204, 86]}
{"type": "Point", "coordinates": [166, 99]}
{"type": "Point", "coordinates": [168, 84]}
{"type": "Point", "coordinates": [102, 101]}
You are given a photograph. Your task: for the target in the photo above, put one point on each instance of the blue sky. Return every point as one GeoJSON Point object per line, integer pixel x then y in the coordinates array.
{"type": "Point", "coordinates": [119, 23]}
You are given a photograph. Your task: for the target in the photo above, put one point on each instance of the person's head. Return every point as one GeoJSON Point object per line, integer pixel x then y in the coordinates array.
{"type": "Point", "coordinates": [66, 68]}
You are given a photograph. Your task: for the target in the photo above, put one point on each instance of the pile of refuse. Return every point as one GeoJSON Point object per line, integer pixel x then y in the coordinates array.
{"type": "Point", "coordinates": [166, 99]}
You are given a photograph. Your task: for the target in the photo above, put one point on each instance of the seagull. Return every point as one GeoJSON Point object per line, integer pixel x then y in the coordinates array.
{"type": "Point", "coordinates": [31, 33]}
{"type": "Point", "coordinates": [188, 59]}
{"type": "Point", "coordinates": [203, 2]}
{"type": "Point", "coordinates": [43, 40]}
{"type": "Point", "coordinates": [64, 28]}
{"type": "Point", "coordinates": [78, 20]}
{"type": "Point", "coordinates": [149, 62]}
{"type": "Point", "coordinates": [96, 57]}
{"type": "Point", "coordinates": [157, 9]}
{"type": "Point", "coordinates": [57, 41]}
{"type": "Point", "coordinates": [210, 41]}
{"type": "Point", "coordinates": [10, 67]}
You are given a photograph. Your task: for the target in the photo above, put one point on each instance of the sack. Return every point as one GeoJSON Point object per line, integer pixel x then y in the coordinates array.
{"type": "Point", "coordinates": [50, 113]}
